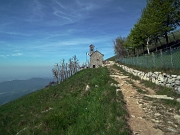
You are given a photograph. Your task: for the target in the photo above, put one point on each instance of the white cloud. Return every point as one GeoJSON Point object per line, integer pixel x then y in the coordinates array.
{"type": "Point", "coordinates": [59, 4]}
{"type": "Point", "coordinates": [37, 8]}
{"type": "Point", "coordinates": [18, 34]}
{"type": "Point", "coordinates": [86, 6]}
{"type": "Point", "coordinates": [17, 54]}
{"type": "Point", "coordinates": [4, 56]}
{"type": "Point", "coordinates": [61, 15]}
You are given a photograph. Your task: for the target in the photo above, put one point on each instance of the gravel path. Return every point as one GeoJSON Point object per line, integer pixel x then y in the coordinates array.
{"type": "Point", "coordinates": [147, 115]}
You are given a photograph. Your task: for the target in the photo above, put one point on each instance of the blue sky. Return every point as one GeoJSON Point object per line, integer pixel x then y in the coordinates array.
{"type": "Point", "coordinates": [36, 34]}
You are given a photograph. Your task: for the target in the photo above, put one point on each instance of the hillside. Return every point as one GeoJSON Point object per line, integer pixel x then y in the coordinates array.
{"type": "Point", "coordinates": [113, 58]}
{"type": "Point", "coordinates": [107, 100]}
{"type": "Point", "coordinates": [85, 103]}
{"type": "Point", "coordinates": [11, 90]}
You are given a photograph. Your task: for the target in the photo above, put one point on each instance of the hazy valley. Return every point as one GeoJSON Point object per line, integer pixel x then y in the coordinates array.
{"type": "Point", "coordinates": [11, 90]}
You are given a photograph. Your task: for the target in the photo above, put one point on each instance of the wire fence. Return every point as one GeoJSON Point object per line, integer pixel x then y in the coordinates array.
{"type": "Point", "coordinates": [164, 58]}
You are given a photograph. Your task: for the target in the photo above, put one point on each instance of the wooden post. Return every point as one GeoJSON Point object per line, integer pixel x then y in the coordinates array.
{"type": "Point", "coordinates": [153, 59]}
{"type": "Point", "coordinates": [146, 60]}
{"type": "Point", "coordinates": [171, 58]}
{"type": "Point", "coordinates": [162, 60]}
{"type": "Point", "coordinates": [137, 61]}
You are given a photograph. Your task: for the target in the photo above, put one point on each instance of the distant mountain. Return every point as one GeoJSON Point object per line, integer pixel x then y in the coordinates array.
{"type": "Point", "coordinates": [11, 90]}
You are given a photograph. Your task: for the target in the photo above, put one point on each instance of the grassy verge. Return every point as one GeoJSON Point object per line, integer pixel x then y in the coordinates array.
{"type": "Point", "coordinates": [160, 90]}
{"type": "Point", "coordinates": [113, 58]}
{"type": "Point", "coordinates": [170, 71]}
{"type": "Point", "coordinates": [67, 109]}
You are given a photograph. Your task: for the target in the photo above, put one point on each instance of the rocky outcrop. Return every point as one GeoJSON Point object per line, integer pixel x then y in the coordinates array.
{"type": "Point", "coordinates": [171, 81]}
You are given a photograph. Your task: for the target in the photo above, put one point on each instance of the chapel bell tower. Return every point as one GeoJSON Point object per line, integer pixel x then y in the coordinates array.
{"type": "Point", "coordinates": [91, 49]}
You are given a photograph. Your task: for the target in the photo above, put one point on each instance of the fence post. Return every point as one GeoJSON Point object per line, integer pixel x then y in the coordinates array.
{"type": "Point", "coordinates": [137, 63]}
{"type": "Point", "coordinates": [162, 60]}
{"type": "Point", "coordinates": [146, 60]}
{"type": "Point", "coordinates": [131, 60]}
{"type": "Point", "coordinates": [153, 59]}
{"type": "Point", "coordinates": [171, 58]}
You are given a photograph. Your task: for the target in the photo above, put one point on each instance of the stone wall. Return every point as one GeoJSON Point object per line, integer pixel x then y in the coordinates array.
{"type": "Point", "coordinates": [171, 81]}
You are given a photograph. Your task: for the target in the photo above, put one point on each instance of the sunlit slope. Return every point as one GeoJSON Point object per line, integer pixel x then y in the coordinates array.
{"type": "Point", "coordinates": [68, 108]}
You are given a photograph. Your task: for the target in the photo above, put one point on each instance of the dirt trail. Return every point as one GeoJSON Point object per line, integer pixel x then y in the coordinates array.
{"type": "Point", "coordinates": [146, 116]}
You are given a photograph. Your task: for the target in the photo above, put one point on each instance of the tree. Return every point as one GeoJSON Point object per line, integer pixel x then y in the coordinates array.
{"type": "Point", "coordinates": [55, 72]}
{"type": "Point", "coordinates": [161, 17]}
{"type": "Point", "coordinates": [119, 46]}
{"type": "Point", "coordinates": [158, 18]}
{"type": "Point", "coordinates": [63, 70]}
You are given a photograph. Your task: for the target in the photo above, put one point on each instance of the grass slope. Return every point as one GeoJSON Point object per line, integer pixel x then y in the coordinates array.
{"type": "Point", "coordinates": [67, 109]}
{"type": "Point", "coordinates": [113, 58]}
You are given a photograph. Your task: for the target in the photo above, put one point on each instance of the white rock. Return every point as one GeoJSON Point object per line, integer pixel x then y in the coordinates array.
{"type": "Point", "coordinates": [161, 78]}
{"type": "Point", "coordinates": [160, 97]}
{"type": "Point", "coordinates": [119, 85]}
{"type": "Point", "coordinates": [178, 100]}
{"type": "Point", "coordinates": [170, 80]}
{"type": "Point", "coordinates": [117, 90]}
{"type": "Point", "coordinates": [168, 85]}
{"type": "Point", "coordinates": [174, 76]}
{"type": "Point", "coordinates": [156, 72]}
{"type": "Point", "coordinates": [171, 129]}
{"type": "Point", "coordinates": [153, 80]}
{"type": "Point", "coordinates": [177, 82]}
{"type": "Point", "coordinates": [157, 114]}
{"type": "Point", "coordinates": [87, 88]}
{"type": "Point", "coordinates": [49, 108]}
{"type": "Point", "coordinates": [177, 118]}
{"type": "Point", "coordinates": [156, 121]}
{"type": "Point", "coordinates": [96, 86]}
{"type": "Point", "coordinates": [177, 90]}
{"type": "Point", "coordinates": [157, 82]}
{"type": "Point", "coordinates": [169, 122]}
{"type": "Point", "coordinates": [111, 84]}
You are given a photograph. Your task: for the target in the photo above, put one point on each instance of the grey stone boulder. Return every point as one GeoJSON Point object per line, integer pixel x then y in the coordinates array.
{"type": "Point", "coordinates": [178, 100]}
{"type": "Point", "coordinates": [177, 118]}
{"type": "Point", "coordinates": [177, 89]}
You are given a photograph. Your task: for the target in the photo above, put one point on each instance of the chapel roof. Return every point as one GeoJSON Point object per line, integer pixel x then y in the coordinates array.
{"type": "Point", "coordinates": [95, 53]}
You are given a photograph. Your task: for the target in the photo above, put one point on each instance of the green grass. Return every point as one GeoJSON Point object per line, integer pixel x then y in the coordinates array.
{"type": "Point", "coordinates": [141, 91]}
{"type": "Point", "coordinates": [67, 109]}
{"type": "Point", "coordinates": [113, 58]}
{"type": "Point", "coordinates": [161, 90]}
{"type": "Point", "coordinates": [140, 63]}
{"type": "Point", "coordinates": [170, 71]}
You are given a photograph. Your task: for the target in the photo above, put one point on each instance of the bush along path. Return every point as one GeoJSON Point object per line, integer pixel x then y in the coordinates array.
{"type": "Point", "coordinates": [153, 109]}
